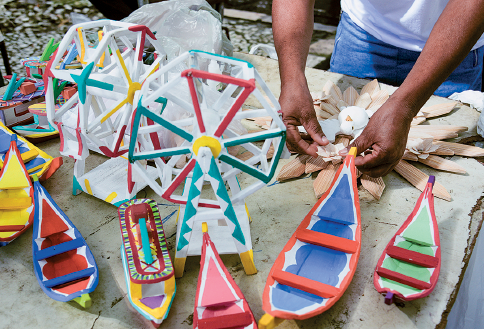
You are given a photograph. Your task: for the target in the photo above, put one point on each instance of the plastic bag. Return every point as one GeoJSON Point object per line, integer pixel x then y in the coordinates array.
{"type": "Point", "coordinates": [184, 25]}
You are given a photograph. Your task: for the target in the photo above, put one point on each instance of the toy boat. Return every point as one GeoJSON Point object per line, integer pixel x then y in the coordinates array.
{"type": "Point", "coordinates": [219, 303]}
{"type": "Point", "coordinates": [63, 263]}
{"type": "Point", "coordinates": [148, 270]}
{"type": "Point", "coordinates": [410, 264]}
{"type": "Point", "coordinates": [16, 195]}
{"type": "Point", "coordinates": [318, 262]}
{"type": "Point", "coordinates": [36, 161]}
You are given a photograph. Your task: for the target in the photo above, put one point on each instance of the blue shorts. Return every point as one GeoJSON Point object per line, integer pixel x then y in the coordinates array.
{"type": "Point", "coordinates": [359, 54]}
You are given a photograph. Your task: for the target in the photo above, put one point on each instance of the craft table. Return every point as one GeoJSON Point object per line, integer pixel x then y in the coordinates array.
{"type": "Point", "coordinates": [276, 212]}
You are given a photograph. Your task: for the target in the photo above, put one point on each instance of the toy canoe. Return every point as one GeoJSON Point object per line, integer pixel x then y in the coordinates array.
{"type": "Point", "coordinates": [410, 264]}
{"type": "Point", "coordinates": [219, 303]}
{"type": "Point", "coordinates": [63, 263]}
{"type": "Point", "coordinates": [148, 269]}
{"type": "Point", "coordinates": [36, 161]}
{"type": "Point", "coordinates": [318, 262]}
{"type": "Point", "coordinates": [16, 195]}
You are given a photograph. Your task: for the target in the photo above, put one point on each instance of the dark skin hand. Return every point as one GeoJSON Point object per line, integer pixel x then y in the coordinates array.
{"type": "Point", "coordinates": [384, 139]}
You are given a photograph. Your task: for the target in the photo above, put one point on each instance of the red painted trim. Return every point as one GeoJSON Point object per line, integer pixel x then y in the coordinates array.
{"type": "Point", "coordinates": [196, 103]}
{"type": "Point", "coordinates": [219, 77]}
{"type": "Point", "coordinates": [412, 257]}
{"type": "Point", "coordinates": [404, 279]}
{"type": "Point", "coordinates": [305, 284]}
{"type": "Point", "coordinates": [54, 165]}
{"type": "Point", "coordinates": [327, 240]}
{"type": "Point", "coordinates": [11, 228]}
{"type": "Point", "coordinates": [130, 178]}
{"type": "Point", "coordinates": [59, 126]}
{"type": "Point", "coordinates": [154, 136]}
{"type": "Point", "coordinates": [79, 141]}
{"type": "Point", "coordinates": [237, 320]}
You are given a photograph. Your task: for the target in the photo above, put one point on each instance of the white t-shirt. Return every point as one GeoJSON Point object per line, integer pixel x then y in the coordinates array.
{"type": "Point", "coordinates": [401, 23]}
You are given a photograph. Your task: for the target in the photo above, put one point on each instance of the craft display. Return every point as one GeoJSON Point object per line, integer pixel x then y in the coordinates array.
{"type": "Point", "coordinates": [318, 262]}
{"type": "Point", "coordinates": [36, 161]}
{"type": "Point", "coordinates": [96, 117]}
{"type": "Point", "coordinates": [148, 270]}
{"type": "Point", "coordinates": [340, 119]}
{"type": "Point", "coordinates": [16, 194]}
{"type": "Point", "coordinates": [63, 263]}
{"type": "Point", "coordinates": [205, 138]}
{"type": "Point", "coordinates": [409, 266]}
{"type": "Point", "coordinates": [219, 303]}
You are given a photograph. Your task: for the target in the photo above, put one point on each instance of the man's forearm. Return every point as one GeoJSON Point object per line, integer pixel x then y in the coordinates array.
{"type": "Point", "coordinates": [292, 26]}
{"type": "Point", "coordinates": [453, 36]}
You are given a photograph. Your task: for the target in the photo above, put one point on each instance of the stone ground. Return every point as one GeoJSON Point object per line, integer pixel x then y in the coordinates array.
{"type": "Point", "coordinates": [28, 25]}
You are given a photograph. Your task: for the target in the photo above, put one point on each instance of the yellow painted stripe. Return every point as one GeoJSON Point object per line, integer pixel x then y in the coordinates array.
{"type": "Point", "coordinates": [111, 197]}
{"type": "Point", "coordinates": [114, 110]}
{"type": "Point", "coordinates": [81, 40]}
{"type": "Point", "coordinates": [29, 155]}
{"type": "Point", "coordinates": [101, 61]}
{"type": "Point", "coordinates": [154, 70]}
{"type": "Point", "coordinates": [179, 266]}
{"type": "Point", "coordinates": [247, 259]}
{"type": "Point", "coordinates": [31, 170]}
{"type": "Point", "coordinates": [248, 215]}
{"type": "Point", "coordinates": [121, 61]}
{"type": "Point", "coordinates": [88, 186]}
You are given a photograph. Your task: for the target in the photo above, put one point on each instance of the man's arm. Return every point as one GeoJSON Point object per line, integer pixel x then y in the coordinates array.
{"type": "Point", "coordinates": [457, 30]}
{"type": "Point", "coordinates": [292, 28]}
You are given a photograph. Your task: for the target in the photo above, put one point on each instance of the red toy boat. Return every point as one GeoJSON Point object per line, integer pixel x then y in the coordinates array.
{"type": "Point", "coordinates": [410, 264]}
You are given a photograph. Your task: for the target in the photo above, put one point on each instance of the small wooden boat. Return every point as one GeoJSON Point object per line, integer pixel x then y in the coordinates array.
{"type": "Point", "coordinates": [410, 264]}
{"type": "Point", "coordinates": [219, 303]}
{"type": "Point", "coordinates": [16, 195]}
{"type": "Point", "coordinates": [63, 263]}
{"type": "Point", "coordinates": [36, 161]}
{"type": "Point", "coordinates": [148, 269]}
{"type": "Point", "coordinates": [318, 262]}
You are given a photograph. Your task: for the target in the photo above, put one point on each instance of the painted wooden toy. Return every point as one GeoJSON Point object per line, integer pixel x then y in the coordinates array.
{"type": "Point", "coordinates": [219, 303]}
{"type": "Point", "coordinates": [16, 195]}
{"type": "Point", "coordinates": [148, 270]}
{"type": "Point", "coordinates": [318, 263]}
{"type": "Point", "coordinates": [409, 266]}
{"type": "Point", "coordinates": [36, 161]}
{"type": "Point", "coordinates": [205, 137]}
{"type": "Point", "coordinates": [63, 263]}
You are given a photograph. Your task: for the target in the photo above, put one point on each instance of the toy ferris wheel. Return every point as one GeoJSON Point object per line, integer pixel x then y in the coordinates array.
{"type": "Point", "coordinates": [206, 137]}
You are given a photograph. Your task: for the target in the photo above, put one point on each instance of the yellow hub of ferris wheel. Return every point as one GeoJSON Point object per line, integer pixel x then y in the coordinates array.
{"type": "Point", "coordinates": [209, 142]}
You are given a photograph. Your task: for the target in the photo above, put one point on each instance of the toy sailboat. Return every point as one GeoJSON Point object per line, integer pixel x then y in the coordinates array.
{"type": "Point", "coordinates": [148, 270]}
{"type": "Point", "coordinates": [219, 303]}
{"type": "Point", "coordinates": [317, 264]}
{"type": "Point", "coordinates": [63, 263]}
{"type": "Point", "coordinates": [410, 264]}
{"type": "Point", "coordinates": [16, 195]}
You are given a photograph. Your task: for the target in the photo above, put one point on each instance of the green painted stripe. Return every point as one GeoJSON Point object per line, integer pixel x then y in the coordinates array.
{"type": "Point", "coordinates": [100, 84]}
{"type": "Point", "coordinates": [251, 139]}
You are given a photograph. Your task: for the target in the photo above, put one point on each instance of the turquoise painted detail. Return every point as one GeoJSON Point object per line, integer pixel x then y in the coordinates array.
{"type": "Point", "coordinates": [254, 138]}
{"type": "Point", "coordinates": [81, 81]}
{"type": "Point", "coordinates": [163, 101]}
{"type": "Point", "coordinates": [192, 52]}
{"type": "Point", "coordinates": [252, 170]}
{"type": "Point", "coordinates": [221, 193]}
{"type": "Point", "coordinates": [190, 210]}
{"type": "Point", "coordinates": [145, 241]}
{"type": "Point", "coordinates": [76, 187]}
{"type": "Point", "coordinates": [118, 204]}
{"type": "Point", "coordinates": [100, 84]}
{"type": "Point", "coordinates": [12, 86]}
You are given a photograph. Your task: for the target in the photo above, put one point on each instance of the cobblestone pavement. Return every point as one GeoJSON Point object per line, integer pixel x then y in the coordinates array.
{"type": "Point", "coordinates": [28, 25]}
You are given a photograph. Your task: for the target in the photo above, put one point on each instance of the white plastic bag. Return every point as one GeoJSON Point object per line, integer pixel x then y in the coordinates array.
{"type": "Point", "coordinates": [184, 25]}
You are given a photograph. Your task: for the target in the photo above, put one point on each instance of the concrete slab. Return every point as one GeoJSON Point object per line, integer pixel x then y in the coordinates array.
{"type": "Point", "coordinates": [276, 212]}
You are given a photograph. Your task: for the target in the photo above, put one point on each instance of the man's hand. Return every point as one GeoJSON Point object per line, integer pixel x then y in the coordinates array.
{"type": "Point", "coordinates": [297, 109]}
{"type": "Point", "coordinates": [386, 134]}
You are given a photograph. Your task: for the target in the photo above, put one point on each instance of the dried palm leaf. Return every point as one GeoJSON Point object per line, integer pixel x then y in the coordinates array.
{"type": "Point", "coordinates": [293, 168]}
{"type": "Point", "coordinates": [363, 101]}
{"type": "Point", "coordinates": [438, 109]}
{"type": "Point", "coordinates": [437, 132]}
{"type": "Point", "coordinates": [341, 105]}
{"type": "Point", "coordinates": [343, 139]}
{"type": "Point", "coordinates": [442, 151]}
{"type": "Point", "coordinates": [358, 173]}
{"type": "Point", "coordinates": [419, 179]}
{"type": "Point", "coordinates": [246, 155]}
{"type": "Point", "coordinates": [418, 120]}
{"type": "Point", "coordinates": [442, 164]}
{"type": "Point", "coordinates": [330, 108]}
{"type": "Point", "coordinates": [350, 95]}
{"type": "Point", "coordinates": [462, 149]}
{"type": "Point", "coordinates": [320, 114]}
{"type": "Point", "coordinates": [332, 90]}
{"type": "Point", "coordinates": [377, 100]}
{"type": "Point", "coordinates": [324, 179]}
{"type": "Point", "coordinates": [371, 87]}
{"type": "Point", "coordinates": [315, 164]}
{"type": "Point", "coordinates": [373, 185]}
{"type": "Point", "coordinates": [409, 156]}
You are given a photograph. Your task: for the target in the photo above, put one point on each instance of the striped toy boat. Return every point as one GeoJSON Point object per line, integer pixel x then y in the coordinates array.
{"type": "Point", "coordinates": [318, 262]}
{"type": "Point", "coordinates": [63, 263]}
{"type": "Point", "coordinates": [148, 270]}
{"type": "Point", "coordinates": [16, 195]}
{"type": "Point", "coordinates": [37, 162]}
{"type": "Point", "coordinates": [219, 303]}
{"type": "Point", "coordinates": [409, 266]}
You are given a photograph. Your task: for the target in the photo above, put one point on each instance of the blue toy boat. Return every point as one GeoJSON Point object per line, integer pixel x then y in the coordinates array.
{"type": "Point", "coordinates": [63, 263]}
